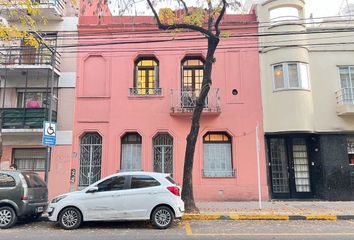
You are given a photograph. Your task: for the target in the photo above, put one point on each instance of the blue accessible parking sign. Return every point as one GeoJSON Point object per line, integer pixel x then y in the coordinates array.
{"type": "Point", "coordinates": [49, 134]}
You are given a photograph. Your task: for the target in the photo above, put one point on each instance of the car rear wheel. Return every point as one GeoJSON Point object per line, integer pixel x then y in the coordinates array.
{"type": "Point", "coordinates": [162, 217]}
{"type": "Point", "coordinates": [8, 217]}
{"type": "Point", "coordinates": [70, 218]}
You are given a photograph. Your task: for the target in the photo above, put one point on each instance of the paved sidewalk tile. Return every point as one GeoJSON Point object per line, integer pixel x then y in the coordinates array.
{"type": "Point", "coordinates": [279, 207]}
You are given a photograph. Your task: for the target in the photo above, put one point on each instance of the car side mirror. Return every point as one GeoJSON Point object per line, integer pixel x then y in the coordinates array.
{"type": "Point", "coordinates": [92, 189]}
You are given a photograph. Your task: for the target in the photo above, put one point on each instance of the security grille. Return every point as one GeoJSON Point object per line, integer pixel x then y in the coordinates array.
{"type": "Point", "coordinates": [90, 159]}
{"type": "Point", "coordinates": [279, 166]}
{"type": "Point", "coordinates": [163, 153]}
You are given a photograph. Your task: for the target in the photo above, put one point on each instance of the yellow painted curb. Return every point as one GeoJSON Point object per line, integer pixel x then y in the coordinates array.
{"type": "Point", "coordinates": [191, 216]}
{"type": "Point", "coordinates": [320, 217]}
{"type": "Point", "coordinates": [259, 216]}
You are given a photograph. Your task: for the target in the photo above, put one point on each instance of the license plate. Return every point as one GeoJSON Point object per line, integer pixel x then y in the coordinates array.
{"type": "Point", "coordinates": [39, 209]}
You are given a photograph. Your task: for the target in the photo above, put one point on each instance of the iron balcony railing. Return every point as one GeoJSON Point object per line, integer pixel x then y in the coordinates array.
{"type": "Point", "coordinates": [29, 56]}
{"type": "Point", "coordinates": [145, 91]}
{"type": "Point", "coordinates": [218, 173]}
{"type": "Point", "coordinates": [345, 96]}
{"type": "Point", "coordinates": [21, 118]}
{"type": "Point", "coordinates": [185, 101]}
{"type": "Point", "coordinates": [59, 4]}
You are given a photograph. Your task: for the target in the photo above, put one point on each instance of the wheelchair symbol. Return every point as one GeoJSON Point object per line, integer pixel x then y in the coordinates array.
{"type": "Point", "coordinates": [50, 130]}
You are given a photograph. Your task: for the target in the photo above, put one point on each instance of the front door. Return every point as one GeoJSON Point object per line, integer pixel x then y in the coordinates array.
{"type": "Point", "coordinates": [289, 168]}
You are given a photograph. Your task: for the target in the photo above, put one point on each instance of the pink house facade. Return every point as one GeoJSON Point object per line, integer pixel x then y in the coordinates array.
{"type": "Point", "coordinates": [135, 92]}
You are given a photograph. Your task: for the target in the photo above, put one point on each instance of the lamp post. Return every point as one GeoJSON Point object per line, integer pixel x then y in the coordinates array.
{"type": "Point", "coordinates": [53, 52]}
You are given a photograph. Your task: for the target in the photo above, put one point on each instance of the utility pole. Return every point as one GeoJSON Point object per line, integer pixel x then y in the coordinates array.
{"type": "Point", "coordinates": [53, 52]}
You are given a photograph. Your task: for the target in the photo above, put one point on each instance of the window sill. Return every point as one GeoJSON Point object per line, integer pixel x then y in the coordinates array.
{"type": "Point", "coordinates": [291, 89]}
{"type": "Point", "coordinates": [285, 23]}
{"type": "Point", "coordinates": [219, 177]}
{"type": "Point", "coordinates": [137, 97]}
{"type": "Point", "coordinates": [231, 174]}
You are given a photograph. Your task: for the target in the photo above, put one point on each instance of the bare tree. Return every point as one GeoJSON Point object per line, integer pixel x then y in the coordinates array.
{"type": "Point", "coordinates": [212, 34]}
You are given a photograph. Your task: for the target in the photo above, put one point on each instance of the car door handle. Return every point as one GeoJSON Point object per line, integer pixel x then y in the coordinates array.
{"type": "Point", "coordinates": [115, 195]}
{"type": "Point", "coordinates": [152, 193]}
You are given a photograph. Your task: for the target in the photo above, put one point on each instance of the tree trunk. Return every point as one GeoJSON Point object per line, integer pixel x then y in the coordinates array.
{"type": "Point", "coordinates": [187, 189]}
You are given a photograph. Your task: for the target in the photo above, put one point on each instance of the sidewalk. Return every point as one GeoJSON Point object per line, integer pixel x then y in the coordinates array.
{"type": "Point", "coordinates": [279, 210]}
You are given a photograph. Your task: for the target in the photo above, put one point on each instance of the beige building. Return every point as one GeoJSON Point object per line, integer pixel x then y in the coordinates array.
{"type": "Point", "coordinates": [307, 75]}
{"type": "Point", "coordinates": [26, 75]}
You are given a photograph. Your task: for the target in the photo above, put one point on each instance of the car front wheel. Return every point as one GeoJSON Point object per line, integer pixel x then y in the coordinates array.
{"type": "Point", "coordinates": [70, 218]}
{"type": "Point", "coordinates": [8, 217]}
{"type": "Point", "coordinates": [162, 217]}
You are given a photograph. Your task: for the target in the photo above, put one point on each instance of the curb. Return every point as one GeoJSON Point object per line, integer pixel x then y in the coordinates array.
{"type": "Point", "coordinates": [236, 216]}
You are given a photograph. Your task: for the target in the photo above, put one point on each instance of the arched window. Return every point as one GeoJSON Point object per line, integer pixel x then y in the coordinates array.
{"type": "Point", "coordinates": [131, 152]}
{"type": "Point", "coordinates": [163, 153]}
{"type": "Point", "coordinates": [90, 159]}
{"type": "Point", "coordinates": [192, 79]}
{"type": "Point", "coordinates": [192, 74]}
{"type": "Point", "coordinates": [146, 77]}
{"type": "Point", "coordinates": [217, 148]}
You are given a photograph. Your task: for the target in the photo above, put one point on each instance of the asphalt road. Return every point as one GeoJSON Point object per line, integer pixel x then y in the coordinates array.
{"type": "Point", "coordinates": [249, 230]}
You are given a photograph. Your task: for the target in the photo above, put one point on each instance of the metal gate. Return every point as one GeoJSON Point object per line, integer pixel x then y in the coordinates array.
{"type": "Point", "coordinates": [90, 159]}
{"type": "Point", "coordinates": [289, 167]}
{"type": "Point", "coordinates": [163, 153]}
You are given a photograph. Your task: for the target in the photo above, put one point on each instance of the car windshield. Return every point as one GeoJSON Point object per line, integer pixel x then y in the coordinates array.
{"type": "Point", "coordinates": [33, 180]}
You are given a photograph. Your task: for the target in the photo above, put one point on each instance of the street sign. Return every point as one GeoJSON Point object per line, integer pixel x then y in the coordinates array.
{"type": "Point", "coordinates": [49, 134]}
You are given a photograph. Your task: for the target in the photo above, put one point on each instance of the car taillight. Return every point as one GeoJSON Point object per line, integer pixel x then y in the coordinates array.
{"type": "Point", "coordinates": [174, 190]}
{"type": "Point", "coordinates": [25, 188]}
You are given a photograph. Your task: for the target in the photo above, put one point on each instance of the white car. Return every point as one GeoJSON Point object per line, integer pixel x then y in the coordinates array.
{"type": "Point", "coordinates": [122, 196]}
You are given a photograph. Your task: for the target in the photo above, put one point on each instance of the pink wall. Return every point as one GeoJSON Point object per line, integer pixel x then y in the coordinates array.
{"type": "Point", "coordinates": [105, 73]}
{"type": "Point", "coordinates": [59, 173]}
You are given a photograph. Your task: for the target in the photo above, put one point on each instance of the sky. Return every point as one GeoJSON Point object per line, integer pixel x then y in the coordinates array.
{"type": "Point", "coordinates": [319, 8]}
{"type": "Point", "coordinates": [323, 8]}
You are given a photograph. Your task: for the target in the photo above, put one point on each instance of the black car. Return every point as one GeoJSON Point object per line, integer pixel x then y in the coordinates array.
{"type": "Point", "coordinates": [22, 195]}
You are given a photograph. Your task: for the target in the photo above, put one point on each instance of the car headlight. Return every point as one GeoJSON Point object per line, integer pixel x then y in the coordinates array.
{"type": "Point", "coordinates": [57, 199]}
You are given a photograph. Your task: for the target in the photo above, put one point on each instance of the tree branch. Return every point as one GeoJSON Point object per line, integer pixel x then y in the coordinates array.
{"type": "Point", "coordinates": [210, 16]}
{"type": "Point", "coordinates": [221, 15]}
{"type": "Point", "coordinates": [184, 5]}
{"type": "Point", "coordinates": [178, 25]}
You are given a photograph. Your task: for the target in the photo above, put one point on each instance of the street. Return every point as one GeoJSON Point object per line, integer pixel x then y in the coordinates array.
{"type": "Point", "coordinates": [251, 230]}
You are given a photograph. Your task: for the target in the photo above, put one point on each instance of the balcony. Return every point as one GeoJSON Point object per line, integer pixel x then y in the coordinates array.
{"type": "Point", "coordinates": [345, 101]}
{"type": "Point", "coordinates": [184, 102]}
{"type": "Point", "coordinates": [25, 118]}
{"type": "Point", "coordinates": [28, 58]}
{"type": "Point", "coordinates": [51, 9]}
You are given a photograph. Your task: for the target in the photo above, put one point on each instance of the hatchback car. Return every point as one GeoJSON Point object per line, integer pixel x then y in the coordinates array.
{"type": "Point", "coordinates": [22, 195]}
{"type": "Point", "coordinates": [122, 196]}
